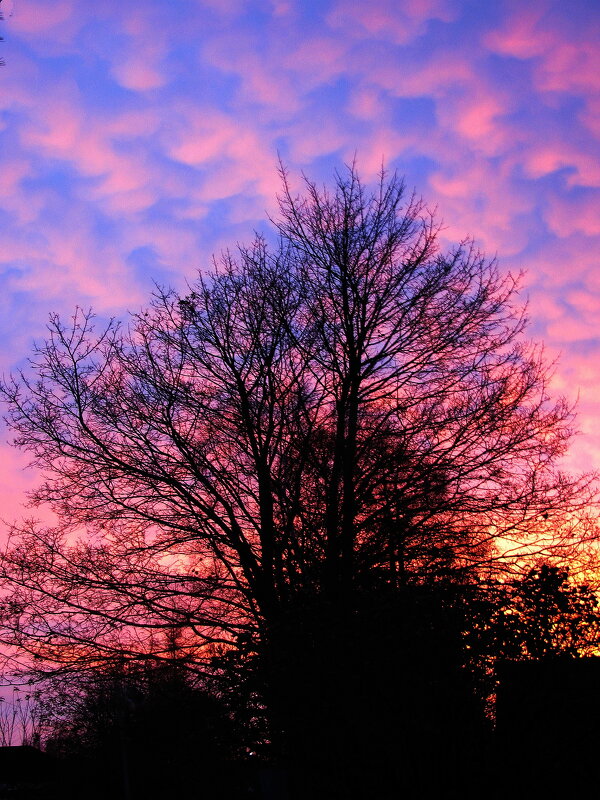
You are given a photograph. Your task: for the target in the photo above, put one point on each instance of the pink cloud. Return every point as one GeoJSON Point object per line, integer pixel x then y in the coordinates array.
{"type": "Point", "coordinates": [308, 141]}
{"type": "Point", "coordinates": [282, 8]}
{"type": "Point", "coordinates": [547, 158]}
{"type": "Point", "coordinates": [477, 118]}
{"type": "Point", "coordinates": [262, 78]}
{"type": "Point", "coordinates": [381, 147]}
{"type": "Point", "coordinates": [318, 60]}
{"type": "Point", "coordinates": [12, 193]}
{"type": "Point", "coordinates": [367, 103]}
{"type": "Point", "coordinates": [544, 306]}
{"type": "Point", "coordinates": [57, 130]}
{"type": "Point", "coordinates": [567, 215]}
{"type": "Point", "coordinates": [441, 72]}
{"type": "Point", "coordinates": [570, 66]}
{"type": "Point", "coordinates": [202, 135]}
{"type": "Point", "coordinates": [520, 36]}
{"type": "Point", "coordinates": [444, 10]}
{"type": "Point", "coordinates": [584, 301]}
{"type": "Point", "coordinates": [231, 151]}
{"type": "Point", "coordinates": [252, 172]}
{"type": "Point", "coordinates": [72, 267]}
{"type": "Point", "coordinates": [584, 449]}
{"type": "Point", "coordinates": [137, 65]}
{"type": "Point", "coordinates": [569, 329]}
{"type": "Point", "coordinates": [561, 63]}
{"type": "Point", "coordinates": [226, 7]}
{"type": "Point", "coordinates": [62, 265]}
{"type": "Point", "coordinates": [477, 198]}
{"type": "Point", "coordinates": [38, 16]}
{"type": "Point", "coordinates": [557, 264]}
{"type": "Point", "coordinates": [61, 128]}
{"type": "Point", "coordinates": [139, 73]}
{"type": "Point", "coordinates": [590, 116]}
{"type": "Point", "coordinates": [386, 19]}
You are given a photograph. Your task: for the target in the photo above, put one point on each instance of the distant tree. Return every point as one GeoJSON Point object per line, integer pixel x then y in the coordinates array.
{"type": "Point", "coordinates": [278, 462]}
{"type": "Point", "coordinates": [544, 615]}
{"type": "Point", "coordinates": [144, 732]}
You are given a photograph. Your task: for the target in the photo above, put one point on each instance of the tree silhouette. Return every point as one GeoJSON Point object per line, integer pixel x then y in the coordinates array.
{"type": "Point", "coordinates": [544, 615]}
{"type": "Point", "coordinates": [143, 731]}
{"type": "Point", "coordinates": [282, 460]}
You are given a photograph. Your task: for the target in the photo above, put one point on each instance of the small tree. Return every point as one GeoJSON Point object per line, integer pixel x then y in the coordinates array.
{"type": "Point", "coordinates": [24, 717]}
{"type": "Point", "coordinates": [340, 418]}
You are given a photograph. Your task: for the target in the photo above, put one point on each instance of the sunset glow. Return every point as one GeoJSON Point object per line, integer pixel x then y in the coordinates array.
{"type": "Point", "coordinates": [137, 139]}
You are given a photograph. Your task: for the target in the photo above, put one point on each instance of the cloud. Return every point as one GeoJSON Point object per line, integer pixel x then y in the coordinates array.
{"type": "Point", "coordinates": [565, 58]}
{"type": "Point", "coordinates": [318, 60]}
{"type": "Point", "coordinates": [387, 19]}
{"type": "Point", "coordinates": [583, 168]}
{"type": "Point", "coordinates": [139, 72]}
{"type": "Point", "coordinates": [250, 59]}
{"type": "Point", "coordinates": [567, 215]}
{"type": "Point", "coordinates": [37, 17]}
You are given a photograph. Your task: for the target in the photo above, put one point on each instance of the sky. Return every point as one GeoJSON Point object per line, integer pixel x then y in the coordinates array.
{"type": "Point", "coordinates": [138, 138]}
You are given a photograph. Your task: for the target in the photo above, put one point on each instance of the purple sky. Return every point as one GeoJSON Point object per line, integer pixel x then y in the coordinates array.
{"type": "Point", "coordinates": [137, 138]}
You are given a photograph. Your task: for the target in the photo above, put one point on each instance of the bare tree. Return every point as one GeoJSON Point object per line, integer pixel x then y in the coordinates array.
{"type": "Point", "coordinates": [24, 717]}
{"type": "Point", "coordinates": [348, 411]}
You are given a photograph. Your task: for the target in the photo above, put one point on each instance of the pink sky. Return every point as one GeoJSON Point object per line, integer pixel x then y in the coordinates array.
{"type": "Point", "coordinates": [137, 138]}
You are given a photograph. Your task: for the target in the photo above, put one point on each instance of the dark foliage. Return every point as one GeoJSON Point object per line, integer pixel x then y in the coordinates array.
{"type": "Point", "coordinates": [146, 733]}
{"type": "Point", "coordinates": [547, 615]}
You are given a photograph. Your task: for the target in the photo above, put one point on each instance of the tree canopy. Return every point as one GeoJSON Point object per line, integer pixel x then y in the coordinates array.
{"type": "Point", "coordinates": [324, 420]}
